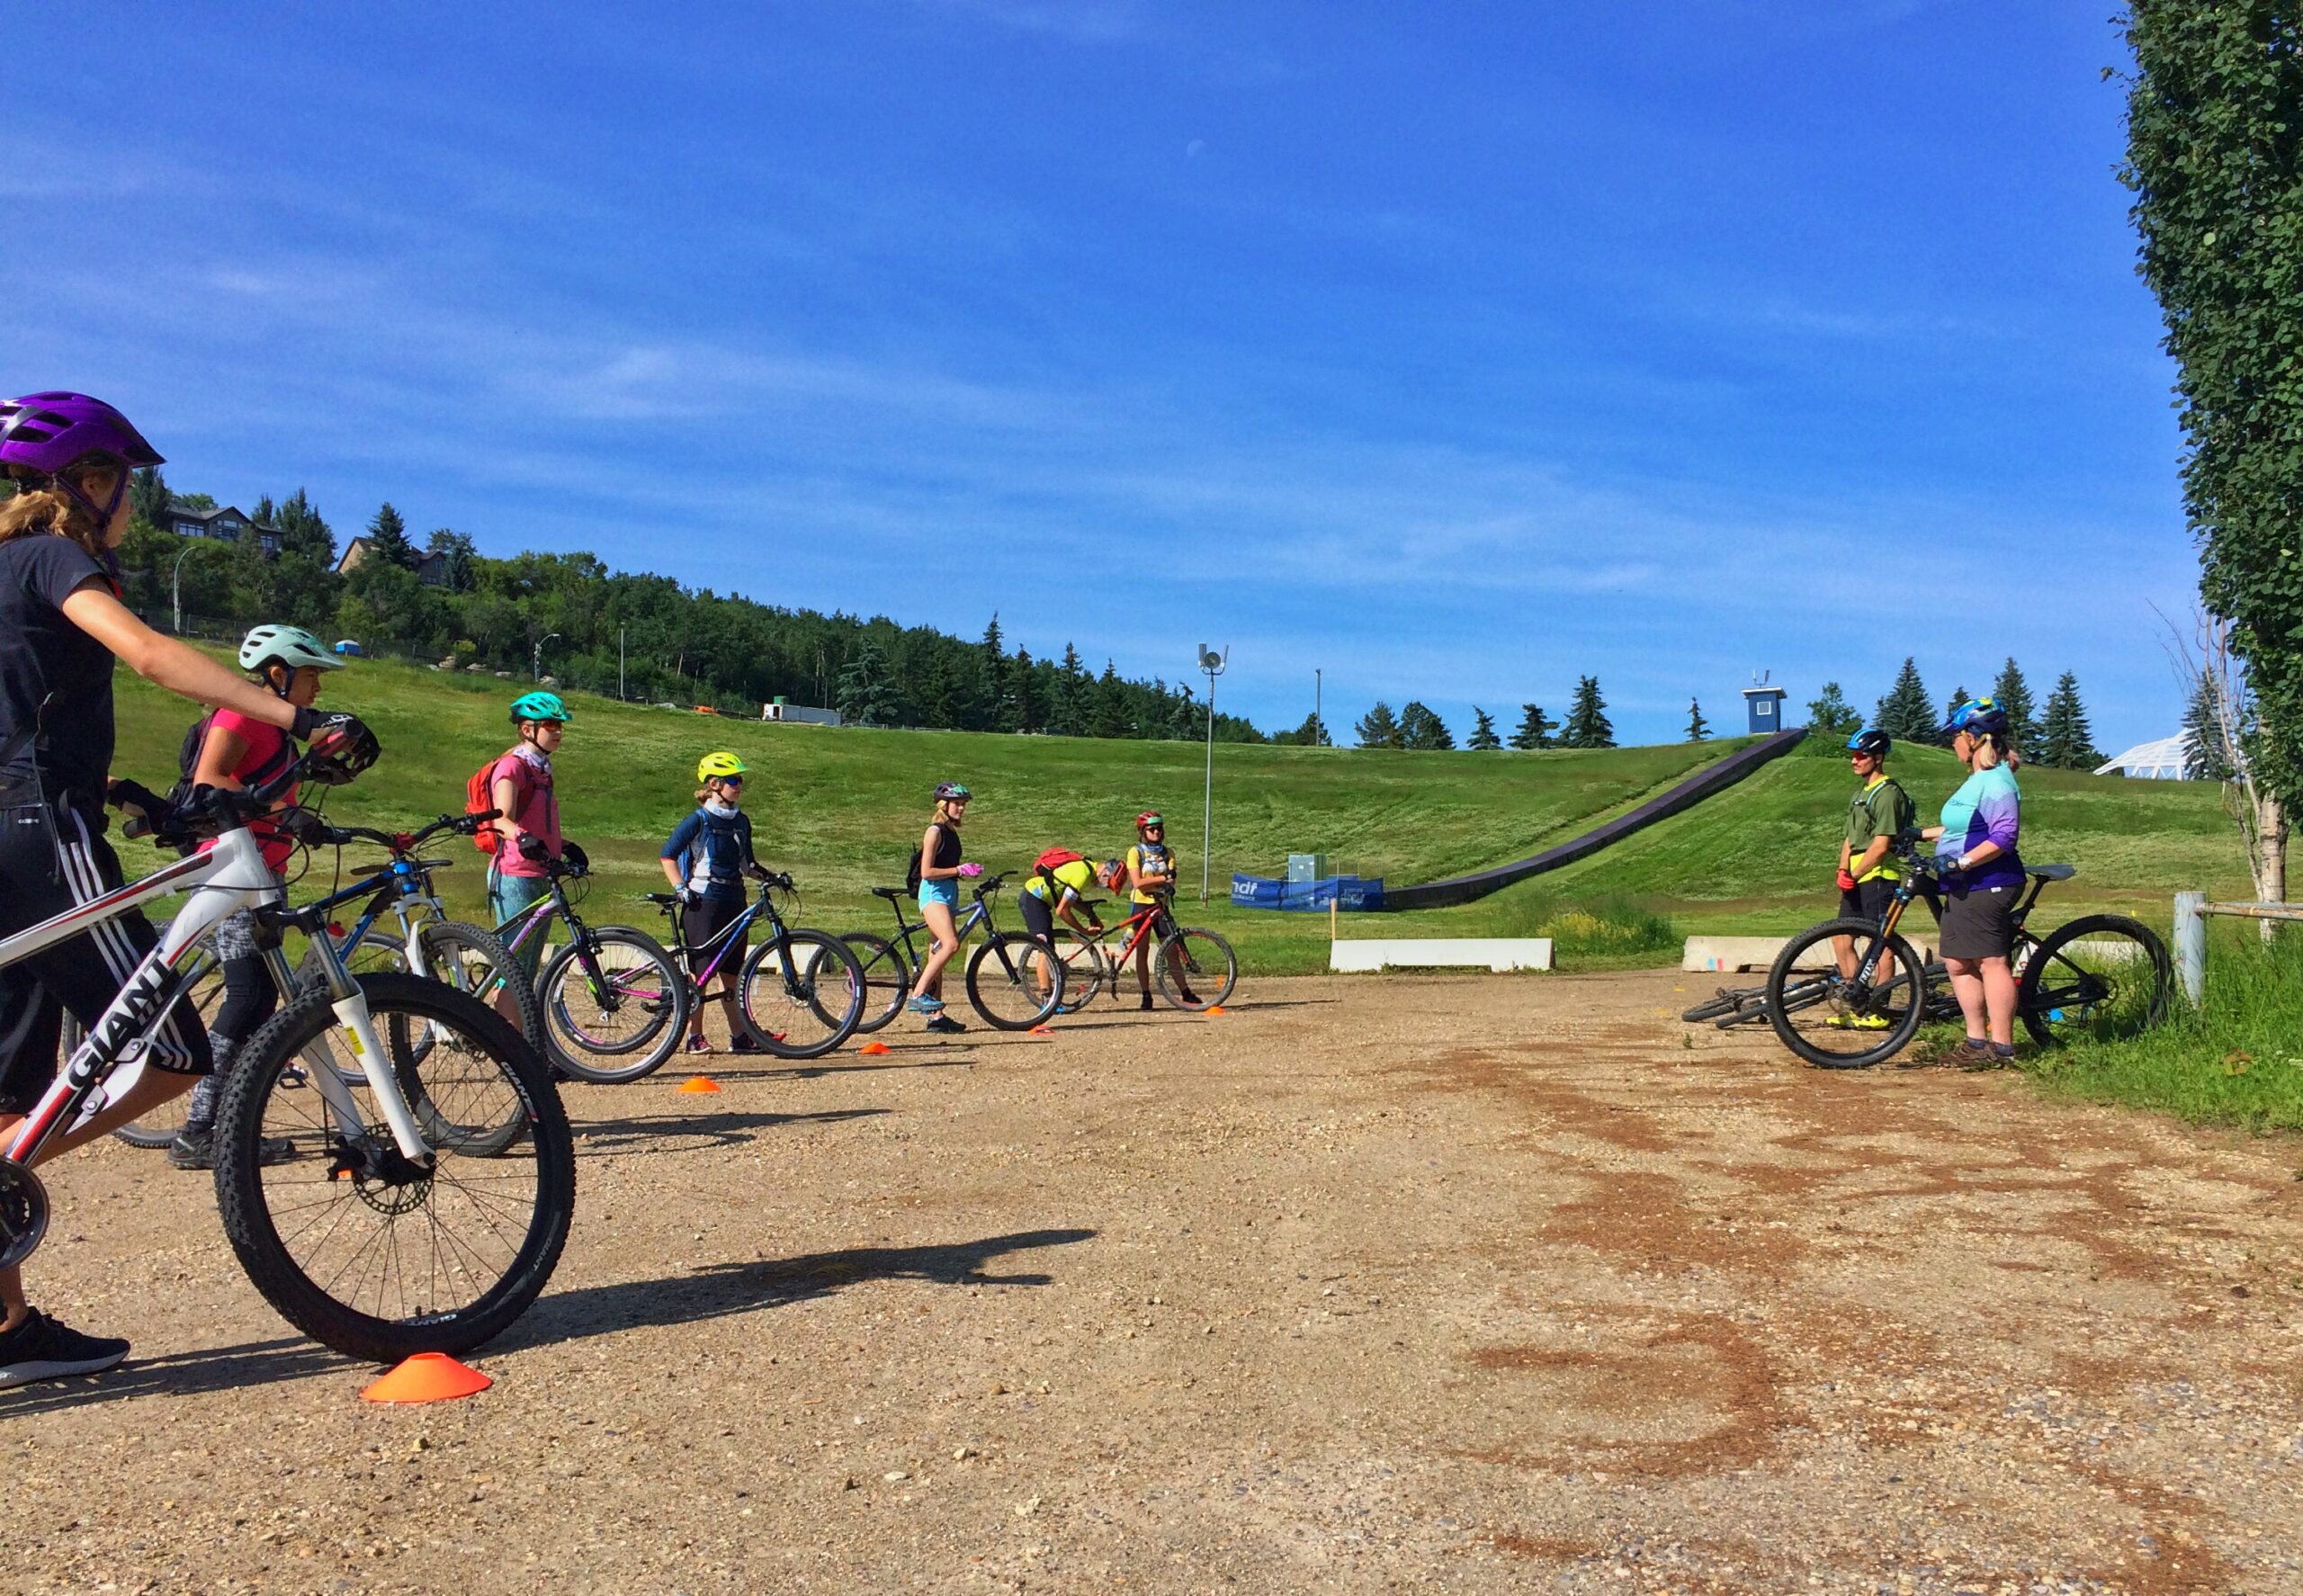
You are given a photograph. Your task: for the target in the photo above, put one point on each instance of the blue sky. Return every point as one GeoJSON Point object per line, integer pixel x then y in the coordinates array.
{"type": "Point", "coordinates": [1456, 350]}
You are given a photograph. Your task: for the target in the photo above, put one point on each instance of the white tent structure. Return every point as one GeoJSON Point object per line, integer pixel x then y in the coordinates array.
{"type": "Point", "coordinates": [2163, 760]}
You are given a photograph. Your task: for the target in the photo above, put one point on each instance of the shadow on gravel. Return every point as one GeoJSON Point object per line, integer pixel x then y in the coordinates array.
{"type": "Point", "coordinates": [185, 1373]}
{"type": "Point", "coordinates": [697, 1130]}
{"type": "Point", "coordinates": [717, 1290]}
{"type": "Point", "coordinates": [816, 1072]}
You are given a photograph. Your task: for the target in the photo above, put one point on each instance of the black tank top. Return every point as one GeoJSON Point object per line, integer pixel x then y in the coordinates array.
{"type": "Point", "coordinates": [948, 847]}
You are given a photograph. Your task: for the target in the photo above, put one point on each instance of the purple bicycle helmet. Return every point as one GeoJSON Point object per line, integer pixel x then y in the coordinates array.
{"type": "Point", "coordinates": [46, 434]}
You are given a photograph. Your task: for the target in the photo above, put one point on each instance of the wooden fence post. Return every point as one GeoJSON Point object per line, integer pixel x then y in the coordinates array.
{"type": "Point", "coordinates": [2191, 943]}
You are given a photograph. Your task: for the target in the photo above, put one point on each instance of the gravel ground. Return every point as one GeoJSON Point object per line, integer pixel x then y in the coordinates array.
{"type": "Point", "coordinates": [1508, 1284]}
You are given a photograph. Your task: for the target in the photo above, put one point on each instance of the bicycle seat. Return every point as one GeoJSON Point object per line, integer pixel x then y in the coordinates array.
{"type": "Point", "coordinates": [892, 895]}
{"type": "Point", "coordinates": [2051, 872]}
{"type": "Point", "coordinates": [662, 899]}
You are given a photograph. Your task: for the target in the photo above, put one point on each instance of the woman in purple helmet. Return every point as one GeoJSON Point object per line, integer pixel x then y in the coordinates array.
{"type": "Point", "coordinates": [62, 627]}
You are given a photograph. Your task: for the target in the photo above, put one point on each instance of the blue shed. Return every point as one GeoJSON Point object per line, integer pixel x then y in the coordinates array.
{"type": "Point", "coordinates": [1763, 708]}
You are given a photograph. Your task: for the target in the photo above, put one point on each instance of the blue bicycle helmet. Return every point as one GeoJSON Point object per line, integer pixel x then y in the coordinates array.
{"type": "Point", "coordinates": [1979, 715]}
{"type": "Point", "coordinates": [1871, 740]}
{"type": "Point", "coordinates": [539, 706]}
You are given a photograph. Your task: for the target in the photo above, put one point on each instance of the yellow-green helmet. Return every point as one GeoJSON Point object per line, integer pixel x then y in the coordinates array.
{"type": "Point", "coordinates": [719, 762]}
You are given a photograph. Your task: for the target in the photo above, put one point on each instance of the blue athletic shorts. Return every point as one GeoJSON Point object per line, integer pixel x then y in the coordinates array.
{"type": "Point", "coordinates": [946, 891]}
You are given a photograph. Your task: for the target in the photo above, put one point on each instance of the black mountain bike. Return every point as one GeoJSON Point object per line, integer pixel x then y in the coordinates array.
{"type": "Point", "coordinates": [801, 993]}
{"type": "Point", "coordinates": [2101, 975]}
{"type": "Point", "coordinates": [1015, 983]}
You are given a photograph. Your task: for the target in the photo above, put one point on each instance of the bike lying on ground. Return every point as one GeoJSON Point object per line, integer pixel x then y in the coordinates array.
{"type": "Point", "coordinates": [1015, 983]}
{"type": "Point", "coordinates": [371, 1237]}
{"type": "Point", "coordinates": [801, 992]}
{"type": "Point", "coordinates": [2102, 976]}
{"type": "Point", "coordinates": [1193, 967]}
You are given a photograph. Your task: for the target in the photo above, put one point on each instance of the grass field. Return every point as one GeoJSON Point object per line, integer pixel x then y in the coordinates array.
{"type": "Point", "coordinates": [840, 807]}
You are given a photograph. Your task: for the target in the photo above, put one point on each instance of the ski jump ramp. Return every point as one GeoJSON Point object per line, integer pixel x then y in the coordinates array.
{"type": "Point", "coordinates": [1712, 778]}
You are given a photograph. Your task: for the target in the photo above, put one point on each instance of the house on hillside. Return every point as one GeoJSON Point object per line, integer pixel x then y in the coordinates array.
{"type": "Point", "coordinates": [431, 570]}
{"type": "Point", "coordinates": [226, 524]}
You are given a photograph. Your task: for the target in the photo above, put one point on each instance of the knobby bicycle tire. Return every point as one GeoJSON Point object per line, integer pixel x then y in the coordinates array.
{"type": "Point", "coordinates": [887, 979]}
{"type": "Point", "coordinates": [823, 982]}
{"type": "Point", "coordinates": [1196, 969]}
{"type": "Point", "coordinates": [644, 987]}
{"type": "Point", "coordinates": [2102, 975]}
{"type": "Point", "coordinates": [521, 1206]}
{"type": "Point", "coordinates": [1805, 1007]}
{"type": "Point", "coordinates": [1006, 990]}
{"type": "Point", "coordinates": [1729, 1001]}
{"type": "Point", "coordinates": [1086, 969]}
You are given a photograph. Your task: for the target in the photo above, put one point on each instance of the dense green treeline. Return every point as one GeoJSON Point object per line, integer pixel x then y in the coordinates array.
{"type": "Point", "coordinates": [567, 611]}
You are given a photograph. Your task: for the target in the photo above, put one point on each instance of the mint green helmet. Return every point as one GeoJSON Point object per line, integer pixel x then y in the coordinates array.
{"type": "Point", "coordinates": [539, 706]}
{"type": "Point", "coordinates": [290, 646]}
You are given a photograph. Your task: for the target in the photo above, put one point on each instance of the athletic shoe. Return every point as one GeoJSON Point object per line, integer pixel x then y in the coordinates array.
{"type": "Point", "coordinates": [944, 1025]}
{"type": "Point", "coordinates": [743, 1043]}
{"type": "Point", "coordinates": [698, 1045]}
{"type": "Point", "coordinates": [196, 1150]}
{"type": "Point", "coordinates": [1859, 1022]}
{"type": "Point", "coordinates": [1969, 1054]}
{"type": "Point", "coordinates": [925, 1005]}
{"type": "Point", "coordinates": [40, 1349]}
{"type": "Point", "coordinates": [1145, 1006]}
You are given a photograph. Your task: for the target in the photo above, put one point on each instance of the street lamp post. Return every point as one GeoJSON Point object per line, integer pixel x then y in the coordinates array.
{"type": "Point", "coordinates": [1213, 664]}
{"type": "Point", "coordinates": [619, 664]}
{"type": "Point", "coordinates": [535, 660]}
{"type": "Point", "coordinates": [1319, 719]}
{"type": "Point", "coordinates": [175, 588]}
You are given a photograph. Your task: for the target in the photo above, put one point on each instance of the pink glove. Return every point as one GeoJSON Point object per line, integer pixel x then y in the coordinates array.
{"type": "Point", "coordinates": [971, 871]}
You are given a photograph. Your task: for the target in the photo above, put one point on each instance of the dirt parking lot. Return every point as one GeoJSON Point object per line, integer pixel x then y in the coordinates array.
{"type": "Point", "coordinates": [1454, 1283]}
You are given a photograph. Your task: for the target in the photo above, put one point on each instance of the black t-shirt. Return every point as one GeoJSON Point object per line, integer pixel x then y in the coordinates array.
{"type": "Point", "coordinates": [42, 654]}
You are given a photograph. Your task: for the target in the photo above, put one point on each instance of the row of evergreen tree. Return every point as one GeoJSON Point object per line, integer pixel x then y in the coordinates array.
{"type": "Point", "coordinates": [2057, 737]}
{"type": "Point", "coordinates": [1417, 726]}
{"type": "Point", "coordinates": [677, 644]}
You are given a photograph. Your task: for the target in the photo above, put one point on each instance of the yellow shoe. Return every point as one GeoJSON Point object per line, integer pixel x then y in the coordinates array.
{"type": "Point", "coordinates": [1859, 1022]}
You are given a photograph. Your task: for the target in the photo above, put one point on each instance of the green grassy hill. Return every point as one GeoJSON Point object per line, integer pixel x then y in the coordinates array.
{"type": "Point", "coordinates": [839, 809]}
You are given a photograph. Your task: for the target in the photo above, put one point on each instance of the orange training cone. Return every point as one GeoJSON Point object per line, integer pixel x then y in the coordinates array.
{"type": "Point", "coordinates": [1215, 1008]}
{"type": "Point", "coordinates": [428, 1376]}
{"type": "Point", "coordinates": [699, 1083]}
{"type": "Point", "coordinates": [1043, 1030]}
{"type": "Point", "coordinates": [874, 1048]}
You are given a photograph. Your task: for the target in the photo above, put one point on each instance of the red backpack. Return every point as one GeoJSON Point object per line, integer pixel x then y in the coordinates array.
{"type": "Point", "coordinates": [480, 797]}
{"type": "Point", "coordinates": [1048, 864]}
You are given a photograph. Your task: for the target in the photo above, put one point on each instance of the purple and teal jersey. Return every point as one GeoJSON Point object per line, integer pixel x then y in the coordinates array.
{"type": "Point", "coordinates": [1985, 809]}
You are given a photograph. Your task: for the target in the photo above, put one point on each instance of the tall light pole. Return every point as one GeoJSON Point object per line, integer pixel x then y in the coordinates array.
{"type": "Point", "coordinates": [535, 660]}
{"type": "Point", "coordinates": [175, 589]}
{"type": "Point", "coordinates": [1319, 721]}
{"type": "Point", "coordinates": [619, 664]}
{"type": "Point", "coordinates": [1213, 663]}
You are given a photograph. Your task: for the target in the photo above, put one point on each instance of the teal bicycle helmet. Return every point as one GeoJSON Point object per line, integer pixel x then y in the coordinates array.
{"type": "Point", "coordinates": [539, 706]}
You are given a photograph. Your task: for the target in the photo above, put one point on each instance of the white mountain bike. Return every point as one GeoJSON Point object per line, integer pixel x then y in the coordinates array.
{"type": "Point", "coordinates": [369, 1238]}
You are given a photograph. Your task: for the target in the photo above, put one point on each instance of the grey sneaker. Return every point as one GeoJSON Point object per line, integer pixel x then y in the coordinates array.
{"type": "Point", "coordinates": [196, 1150]}
{"type": "Point", "coordinates": [40, 1349]}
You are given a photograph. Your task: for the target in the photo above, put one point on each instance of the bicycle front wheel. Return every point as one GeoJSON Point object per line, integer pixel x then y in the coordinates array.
{"type": "Point", "coordinates": [887, 979]}
{"type": "Point", "coordinates": [620, 1019]}
{"type": "Point", "coordinates": [1015, 983]}
{"type": "Point", "coordinates": [1083, 970]}
{"type": "Point", "coordinates": [802, 997]}
{"type": "Point", "coordinates": [365, 1251]}
{"type": "Point", "coordinates": [2103, 977]}
{"type": "Point", "coordinates": [472, 962]}
{"type": "Point", "coordinates": [1834, 1024]}
{"type": "Point", "coordinates": [1196, 969]}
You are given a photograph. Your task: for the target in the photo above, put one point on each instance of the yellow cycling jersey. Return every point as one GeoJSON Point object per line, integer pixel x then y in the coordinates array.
{"type": "Point", "coordinates": [1881, 809]}
{"type": "Point", "coordinates": [1077, 876]}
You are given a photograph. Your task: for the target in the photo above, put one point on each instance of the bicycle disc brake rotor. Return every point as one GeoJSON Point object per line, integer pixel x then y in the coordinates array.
{"type": "Point", "coordinates": [381, 1176]}
{"type": "Point", "coordinates": [24, 1213]}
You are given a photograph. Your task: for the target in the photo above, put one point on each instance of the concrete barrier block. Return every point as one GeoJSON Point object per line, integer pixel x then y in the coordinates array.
{"type": "Point", "coordinates": [1365, 955]}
